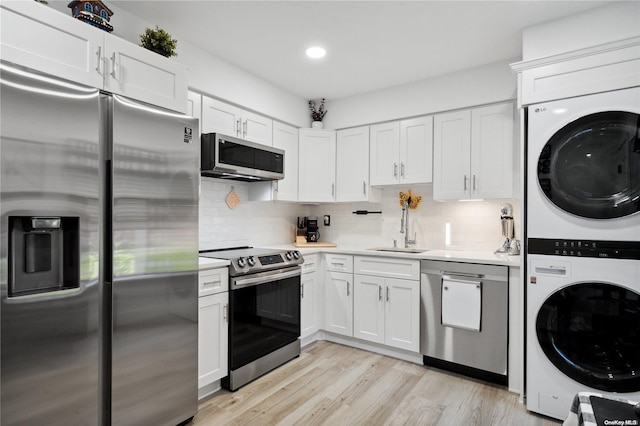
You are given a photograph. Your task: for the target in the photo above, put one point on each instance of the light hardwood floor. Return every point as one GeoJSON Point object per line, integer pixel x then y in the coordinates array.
{"type": "Point", "coordinates": [331, 384]}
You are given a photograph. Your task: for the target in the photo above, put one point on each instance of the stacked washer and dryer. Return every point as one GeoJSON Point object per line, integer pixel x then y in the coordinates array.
{"type": "Point", "coordinates": [583, 250]}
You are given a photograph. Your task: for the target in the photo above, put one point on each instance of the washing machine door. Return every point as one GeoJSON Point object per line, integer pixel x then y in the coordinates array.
{"type": "Point", "coordinates": [591, 332]}
{"type": "Point", "coordinates": [591, 167]}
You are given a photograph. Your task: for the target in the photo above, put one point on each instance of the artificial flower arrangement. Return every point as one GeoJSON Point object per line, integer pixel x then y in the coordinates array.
{"type": "Point", "coordinates": [317, 115]}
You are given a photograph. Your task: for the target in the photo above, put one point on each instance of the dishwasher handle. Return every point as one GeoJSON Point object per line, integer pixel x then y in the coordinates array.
{"type": "Point", "coordinates": [454, 275]}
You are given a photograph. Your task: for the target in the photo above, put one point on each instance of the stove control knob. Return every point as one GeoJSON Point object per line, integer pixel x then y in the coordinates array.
{"type": "Point", "coordinates": [289, 255]}
{"type": "Point", "coordinates": [251, 260]}
{"type": "Point", "coordinates": [242, 262]}
{"type": "Point", "coordinates": [296, 254]}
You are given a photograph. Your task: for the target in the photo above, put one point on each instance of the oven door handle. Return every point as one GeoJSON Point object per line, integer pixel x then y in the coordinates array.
{"type": "Point", "coordinates": [263, 279]}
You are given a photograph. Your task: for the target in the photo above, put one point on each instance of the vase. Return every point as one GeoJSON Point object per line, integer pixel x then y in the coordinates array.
{"type": "Point", "coordinates": [316, 125]}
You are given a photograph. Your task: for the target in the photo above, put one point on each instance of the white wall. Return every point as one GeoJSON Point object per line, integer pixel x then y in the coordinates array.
{"type": "Point", "coordinates": [612, 22]}
{"type": "Point", "coordinates": [476, 86]}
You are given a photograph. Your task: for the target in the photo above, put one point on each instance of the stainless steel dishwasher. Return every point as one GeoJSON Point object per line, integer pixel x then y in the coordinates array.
{"type": "Point", "coordinates": [464, 315]}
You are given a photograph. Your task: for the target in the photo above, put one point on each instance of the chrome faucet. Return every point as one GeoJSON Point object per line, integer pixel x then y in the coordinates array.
{"type": "Point", "coordinates": [404, 225]}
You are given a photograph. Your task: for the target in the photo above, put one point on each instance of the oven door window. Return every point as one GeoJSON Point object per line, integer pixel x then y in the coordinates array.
{"type": "Point", "coordinates": [591, 167]}
{"type": "Point", "coordinates": [591, 332]}
{"type": "Point", "coordinates": [264, 318]}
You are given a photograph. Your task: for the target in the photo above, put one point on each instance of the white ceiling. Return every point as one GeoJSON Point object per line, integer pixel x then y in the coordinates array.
{"type": "Point", "coordinates": [371, 44]}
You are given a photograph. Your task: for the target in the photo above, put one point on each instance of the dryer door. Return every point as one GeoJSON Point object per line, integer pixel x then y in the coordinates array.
{"type": "Point", "coordinates": [591, 332]}
{"type": "Point", "coordinates": [591, 167]}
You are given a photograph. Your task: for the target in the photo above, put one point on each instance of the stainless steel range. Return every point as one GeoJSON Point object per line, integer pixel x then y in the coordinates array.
{"type": "Point", "coordinates": [264, 306]}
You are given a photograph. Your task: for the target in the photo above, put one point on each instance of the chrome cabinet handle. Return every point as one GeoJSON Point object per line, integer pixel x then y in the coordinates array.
{"type": "Point", "coordinates": [364, 188]}
{"type": "Point", "coordinates": [348, 285]}
{"type": "Point", "coordinates": [474, 183]}
{"type": "Point", "coordinates": [238, 127]}
{"type": "Point", "coordinates": [379, 292]}
{"type": "Point", "coordinates": [99, 55]}
{"type": "Point", "coordinates": [387, 294]}
{"type": "Point", "coordinates": [395, 170]}
{"type": "Point", "coordinates": [244, 129]}
{"type": "Point", "coordinates": [465, 182]}
{"type": "Point", "coordinates": [401, 169]}
{"type": "Point", "coordinates": [301, 291]}
{"type": "Point", "coordinates": [333, 189]}
{"type": "Point", "coordinates": [113, 66]}
{"type": "Point", "coordinates": [224, 312]}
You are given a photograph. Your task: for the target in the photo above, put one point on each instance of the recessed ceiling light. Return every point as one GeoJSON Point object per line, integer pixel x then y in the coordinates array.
{"type": "Point", "coordinates": [316, 52]}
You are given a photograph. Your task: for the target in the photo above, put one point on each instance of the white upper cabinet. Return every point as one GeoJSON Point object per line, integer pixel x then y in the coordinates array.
{"type": "Point", "coordinates": [221, 117]}
{"type": "Point", "coordinates": [194, 106]}
{"type": "Point", "coordinates": [286, 137]}
{"type": "Point", "coordinates": [473, 153]}
{"type": "Point", "coordinates": [35, 36]}
{"type": "Point", "coordinates": [352, 166]}
{"type": "Point", "coordinates": [41, 38]}
{"type": "Point", "coordinates": [142, 74]}
{"type": "Point", "coordinates": [401, 152]}
{"type": "Point", "coordinates": [256, 128]}
{"type": "Point", "coordinates": [416, 150]}
{"type": "Point", "coordinates": [385, 153]}
{"type": "Point", "coordinates": [316, 165]}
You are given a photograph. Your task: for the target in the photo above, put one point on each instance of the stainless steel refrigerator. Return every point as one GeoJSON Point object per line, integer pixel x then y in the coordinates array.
{"type": "Point", "coordinates": [99, 256]}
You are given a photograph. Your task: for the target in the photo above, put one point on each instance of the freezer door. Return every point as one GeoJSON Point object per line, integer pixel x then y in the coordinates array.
{"type": "Point", "coordinates": [155, 260]}
{"type": "Point", "coordinates": [49, 248]}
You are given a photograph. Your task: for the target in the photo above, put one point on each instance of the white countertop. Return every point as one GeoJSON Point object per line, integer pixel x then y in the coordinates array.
{"type": "Point", "coordinates": [207, 263]}
{"type": "Point", "coordinates": [484, 257]}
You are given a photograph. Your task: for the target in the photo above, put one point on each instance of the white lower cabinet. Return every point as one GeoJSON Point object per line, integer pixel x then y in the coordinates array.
{"type": "Point", "coordinates": [338, 294]}
{"type": "Point", "coordinates": [310, 297]}
{"type": "Point", "coordinates": [213, 329]}
{"type": "Point", "coordinates": [386, 309]}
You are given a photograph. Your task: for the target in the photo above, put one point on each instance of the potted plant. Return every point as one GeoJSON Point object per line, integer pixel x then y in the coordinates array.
{"type": "Point", "coordinates": [317, 114]}
{"type": "Point", "coordinates": [159, 41]}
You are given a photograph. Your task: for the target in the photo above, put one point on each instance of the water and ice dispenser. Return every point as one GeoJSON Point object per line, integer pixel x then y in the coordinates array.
{"type": "Point", "coordinates": [44, 254]}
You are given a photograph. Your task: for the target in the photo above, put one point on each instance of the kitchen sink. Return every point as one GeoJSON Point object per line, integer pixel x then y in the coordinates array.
{"type": "Point", "coordinates": [399, 249]}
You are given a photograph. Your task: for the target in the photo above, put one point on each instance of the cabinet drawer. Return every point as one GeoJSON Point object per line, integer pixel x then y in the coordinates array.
{"type": "Point", "coordinates": [407, 269]}
{"type": "Point", "coordinates": [339, 262]}
{"type": "Point", "coordinates": [310, 263]}
{"type": "Point", "coordinates": [212, 281]}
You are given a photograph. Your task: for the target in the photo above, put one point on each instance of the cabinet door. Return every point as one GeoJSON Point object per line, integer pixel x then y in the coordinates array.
{"type": "Point", "coordinates": [309, 304]}
{"type": "Point", "coordinates": [492, 139]}
{"type": "Point", "coordinates": [385, 153]}
{"type": "Point", "coordinates": [220, 117]}
{"type": "Point", "coordinates": [416, 150]}
{"type": "Point", "coordinates": [194, 106]}
{"type": "Point", "coordinates": [286, 137]}
{"type": "Point", "coordinates": [38, 37]}
{"type": "Point", "coordinates": [402, 314]}
{"type": "Point", "coordinates": [316, 165]}
{"type": "Point", "coordinates": [368, 308]}
{"type": "Point", "coordinates": [144, 75]}
{"type": "Point", "coordinates": [213, 332]}
{"type": "Point", "coordinates": [339, 303]}
{"type": "Point", "coordinates": [352, 164]}
{"type": "Point", "coordinates": [452, 156]}
{"type": "Point", "coordinates": [257, 128]}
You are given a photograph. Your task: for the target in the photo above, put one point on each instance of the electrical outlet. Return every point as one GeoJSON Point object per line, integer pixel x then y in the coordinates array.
{"type": "Point", "coordinates": [327, 220]}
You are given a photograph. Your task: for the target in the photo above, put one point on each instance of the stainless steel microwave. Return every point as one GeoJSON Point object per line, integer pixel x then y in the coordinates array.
{"type": "Point", "coordinates": [228, 157]}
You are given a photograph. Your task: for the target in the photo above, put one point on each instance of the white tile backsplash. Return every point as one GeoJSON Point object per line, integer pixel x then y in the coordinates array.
{"type": "Point", "coordinates": [251, 223]}
{"type": "Point", "coordinates": [474, 225]}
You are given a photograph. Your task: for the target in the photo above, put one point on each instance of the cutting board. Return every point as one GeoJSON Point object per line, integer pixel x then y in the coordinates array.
{"type": "Point", "coordinates": [317, 244]}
